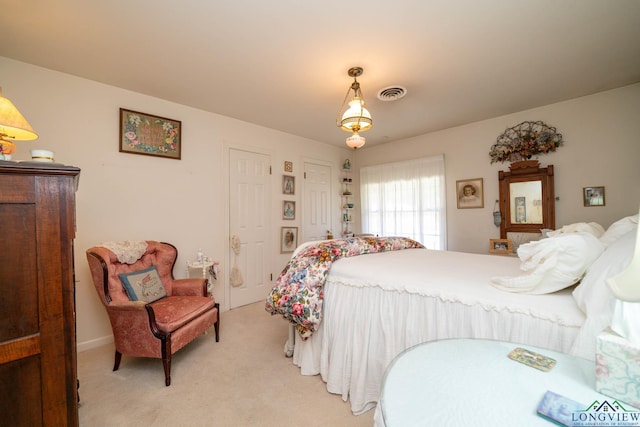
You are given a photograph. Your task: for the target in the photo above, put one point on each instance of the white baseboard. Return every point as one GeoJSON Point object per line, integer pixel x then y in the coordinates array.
{"type": "Point", "coordinates": [98, 342]}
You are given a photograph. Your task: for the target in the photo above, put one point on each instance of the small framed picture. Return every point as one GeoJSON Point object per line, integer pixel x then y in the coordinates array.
{"type": "Point", "coordinates": [288, 239]}
{"type": "Point", "coordinates": [500, 246]}
{"type": "Point", "coordinates": [142, 133]}
{"type": "Point", "coordinates": [288, 166]}
{"type": "Point", "coordinates": [288, 184]}
{"type": "Point", "coordinates": [470, 193]}
{"type": "Point", "coordinates": [288, 209]}
{"type": "Point", "coordinates": [593, 196]}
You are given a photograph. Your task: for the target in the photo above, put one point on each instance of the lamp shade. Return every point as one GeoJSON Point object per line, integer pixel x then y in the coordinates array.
{"type": "Point", "coordinates": [13, 125]}
{"type": "Point", "coordinates": [355, 141]}
{"type": "Point", "coordinates": [356, 117]}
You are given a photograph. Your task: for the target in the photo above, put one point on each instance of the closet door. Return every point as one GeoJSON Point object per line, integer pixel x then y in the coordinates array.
{"type": "Point", "coordinates": [316, 211]}
{"type": "Point", "coordinates": [250, 222]}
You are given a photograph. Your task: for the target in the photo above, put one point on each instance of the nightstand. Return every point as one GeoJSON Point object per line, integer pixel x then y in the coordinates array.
{"type": "Point", "coordinates": [207, 268]}
{"type": "Point", "coordinates": [473, 382]}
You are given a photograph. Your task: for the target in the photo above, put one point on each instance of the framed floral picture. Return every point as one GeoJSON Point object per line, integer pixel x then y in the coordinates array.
{"type": "Point", "coordinates": [150, 135]}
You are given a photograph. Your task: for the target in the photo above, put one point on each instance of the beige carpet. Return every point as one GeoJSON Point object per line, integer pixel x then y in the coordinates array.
{"type": "Point", "coordinates": [243, 380]}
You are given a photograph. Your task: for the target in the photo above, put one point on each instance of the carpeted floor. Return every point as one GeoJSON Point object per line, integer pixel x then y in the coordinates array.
{"type": "Point", "coordinates": [243, 380]}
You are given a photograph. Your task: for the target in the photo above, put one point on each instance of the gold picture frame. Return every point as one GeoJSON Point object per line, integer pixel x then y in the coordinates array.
{"type": "Point", "coordinates": [288, 166]}
{"type": "Point", "coordinates": [150, 135]}
{"type": "Point", "coordinates": [500, 246]}
{"type": "Point", "coordinates": [593, 196]}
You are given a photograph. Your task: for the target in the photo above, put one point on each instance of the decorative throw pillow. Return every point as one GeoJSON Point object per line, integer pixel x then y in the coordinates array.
{"type": "Point", "coordinates": [143, 285]}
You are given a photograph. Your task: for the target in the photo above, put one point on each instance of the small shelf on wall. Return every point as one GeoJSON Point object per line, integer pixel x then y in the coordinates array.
{"type": "Point", "coordinates": [347, 202]}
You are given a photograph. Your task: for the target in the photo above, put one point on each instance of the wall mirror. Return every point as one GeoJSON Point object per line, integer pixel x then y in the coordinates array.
{"type": "Point", "coordinates": [526, 198]}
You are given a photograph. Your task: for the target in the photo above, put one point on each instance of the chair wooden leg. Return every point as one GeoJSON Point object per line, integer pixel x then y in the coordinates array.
{"type": "Point", "coordinates": [166, 360]}
{"type": "Point", "coordinates": [216, 326]}
{"type": "Point", "coordinates": [118, 358]}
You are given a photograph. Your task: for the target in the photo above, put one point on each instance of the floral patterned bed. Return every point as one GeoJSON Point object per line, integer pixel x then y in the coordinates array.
{"type": "Point", "coordinates": [298, 293]}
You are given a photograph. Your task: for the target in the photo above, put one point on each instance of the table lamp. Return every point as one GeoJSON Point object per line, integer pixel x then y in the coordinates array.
{"type": "Point", "coordinates": [13, 127]}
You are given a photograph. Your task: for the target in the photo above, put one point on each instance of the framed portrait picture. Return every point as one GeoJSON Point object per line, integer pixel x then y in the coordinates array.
{"type": "Point", "coordinates": [593, 196]}
{"type": "Point", "coordinates": [288, 209]}
{"type": "Point", "coordinates": [288, 184]}
{"type": "Point", "coordinates": [150, 135]}
{"type": "Point", "coordinates": [288, 239]}
{"type": "Point", "coordinates": [470, 193]}
{"type": "Point", "coordinates": [500, 246]}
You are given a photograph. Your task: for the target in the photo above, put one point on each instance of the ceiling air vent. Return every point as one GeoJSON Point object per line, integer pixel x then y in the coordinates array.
{"type": "Point", "coordinates": [392, 93]}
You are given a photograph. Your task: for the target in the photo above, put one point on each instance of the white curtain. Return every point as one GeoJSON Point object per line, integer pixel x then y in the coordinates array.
{"type": "Point", "coordinates": [406, 199]}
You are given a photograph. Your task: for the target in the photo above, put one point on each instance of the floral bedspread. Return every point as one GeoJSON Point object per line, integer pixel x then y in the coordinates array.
{"type": "Point", "coordinates": [299, 290]}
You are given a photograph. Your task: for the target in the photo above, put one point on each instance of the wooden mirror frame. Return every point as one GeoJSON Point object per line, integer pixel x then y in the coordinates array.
{"type": "Point", "coordinates": [526, 171]}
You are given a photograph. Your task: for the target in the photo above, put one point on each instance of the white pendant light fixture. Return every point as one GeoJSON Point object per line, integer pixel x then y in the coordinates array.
{"type": "Point", "coordinates": [356, 118]}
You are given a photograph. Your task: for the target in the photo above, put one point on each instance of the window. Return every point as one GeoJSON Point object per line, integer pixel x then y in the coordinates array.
{"type": "Point", "coordinates": [406, 199]}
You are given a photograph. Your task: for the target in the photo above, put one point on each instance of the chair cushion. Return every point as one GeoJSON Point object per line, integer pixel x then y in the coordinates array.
{"type": "Point", "coordinates": [175, 311]}
{"type": "Point", "coordinates": [143, 285]}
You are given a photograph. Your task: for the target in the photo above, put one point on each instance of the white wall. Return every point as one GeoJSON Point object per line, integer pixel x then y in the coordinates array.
{"type": "Point", "coordinates": [129, 197]}
{"type": "Point", "coordinates": [601, 148]}
{"type": "Point", "coordinates": [133, 197]}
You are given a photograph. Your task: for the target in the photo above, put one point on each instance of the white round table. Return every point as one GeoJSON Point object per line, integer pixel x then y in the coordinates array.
{"type": "Point", "coordinates": [468, 382]}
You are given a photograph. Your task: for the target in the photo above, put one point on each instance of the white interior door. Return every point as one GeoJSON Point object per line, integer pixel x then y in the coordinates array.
{"type": "Point", "coordinates": [316, 212]}
{"type": "Point", "coordinates": [250, 222]}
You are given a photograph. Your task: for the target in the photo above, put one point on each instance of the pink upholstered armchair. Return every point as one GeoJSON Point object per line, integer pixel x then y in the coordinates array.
{"type": "Point", "coordinates": [151, 329]}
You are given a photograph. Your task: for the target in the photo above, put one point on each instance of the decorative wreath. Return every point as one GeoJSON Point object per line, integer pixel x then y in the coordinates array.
{"type": "Point", "coordinates": [525, 140]}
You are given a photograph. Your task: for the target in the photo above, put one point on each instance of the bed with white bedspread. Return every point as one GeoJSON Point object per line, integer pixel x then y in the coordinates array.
{"type": "Point", "coordinates": [379, 304]}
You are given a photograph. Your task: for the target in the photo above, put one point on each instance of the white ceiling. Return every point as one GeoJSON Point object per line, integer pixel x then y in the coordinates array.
{"type": "Point", "coordinates": [283, 63]}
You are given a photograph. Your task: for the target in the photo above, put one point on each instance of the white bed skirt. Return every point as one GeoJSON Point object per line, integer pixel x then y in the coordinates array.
{"type": "Point", "coordinates": [357, 340]}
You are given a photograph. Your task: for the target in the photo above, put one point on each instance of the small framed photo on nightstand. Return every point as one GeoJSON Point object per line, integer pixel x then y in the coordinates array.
{"type": "Point", "coordinates": [500, 246]}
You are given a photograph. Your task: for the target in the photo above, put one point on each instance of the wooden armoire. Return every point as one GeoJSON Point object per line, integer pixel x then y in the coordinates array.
{"type": "Point", "coordinates": [38, 373]}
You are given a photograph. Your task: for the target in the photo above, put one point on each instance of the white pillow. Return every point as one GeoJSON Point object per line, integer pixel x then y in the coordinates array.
{"type": "Point", "coordinates": [593, 296]}
{"type": "Point", "coordinates": [552, 264]}
{"type": "Point", "coordinates": [592, 227]}
{"type": "Point", "coordinates": [619, 229]}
